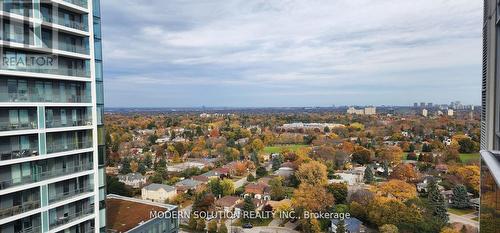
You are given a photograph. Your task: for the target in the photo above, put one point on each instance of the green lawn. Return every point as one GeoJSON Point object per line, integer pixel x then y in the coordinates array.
{"type": "Point", "coordinates": [460, 212]}
{"type": "Point", "coordinates": [277, 149]}
{"type": "Point", "coordinates": [463, 157]}
{"type": "Point", "coordinates": [468, 157]}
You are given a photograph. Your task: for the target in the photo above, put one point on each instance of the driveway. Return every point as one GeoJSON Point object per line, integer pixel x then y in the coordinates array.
{"type": "Point", "coordinates": [465, 219]}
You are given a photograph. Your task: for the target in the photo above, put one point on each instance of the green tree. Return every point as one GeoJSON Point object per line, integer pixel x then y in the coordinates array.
{"type": "Point", "coordinates": [339, 191]}
{"type": "Point", "coordinates": [261, 172]}
{"type": "Point", "coordinates": [369, 178]}
{"type": "Point", "coordinates": [116, 187]}
{"type": "Point", "coordinates": [460, 200]}
{"type": "Point", "coordinates": [341, 226]}
{"type": "Point", "coordinates": [437, 203]}
{"type": "Point", "coordinates": [278, 191]}
{"type": "Point", "coordinates": [277, 161]}
{"type": "Point", "coordinates": [248, 207]}
{"type": "Point", "coordinates": [250, 177]}
{"type": "Point", "coordinates": [216, 187]}
{"type": "Point", "coordinates": [227, 186]}
{"type": "Point", "coordinates": [385, 166]}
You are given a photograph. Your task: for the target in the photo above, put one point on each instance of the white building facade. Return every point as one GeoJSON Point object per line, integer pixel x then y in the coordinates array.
{"type": "Point", "coordinates": [52, 175]}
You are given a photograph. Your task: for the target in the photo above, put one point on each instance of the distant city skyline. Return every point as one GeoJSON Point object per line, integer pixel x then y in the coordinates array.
{"type": "Point", "coordinates": [291, 53]}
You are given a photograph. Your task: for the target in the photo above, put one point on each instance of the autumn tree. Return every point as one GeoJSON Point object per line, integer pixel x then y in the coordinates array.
{"type": "Point", "coordinates": [313, 198]}
{"type": "Point", "coordinates": [313, 173]}
{"type": "Point", "coordinates": [388, 228]}
{"type": "Point", "coordinates": [392, 154]}
{"type": "Point", "coordinates": [134, 166]}
{"type": "Point", "coordinates": [222, 227]}
{"type": "Point", "coordinates": [212, 226]}
{"type": "Point", "coordinates": [404, 172]}
{"type": "Point", "coordinates": [398, 189]}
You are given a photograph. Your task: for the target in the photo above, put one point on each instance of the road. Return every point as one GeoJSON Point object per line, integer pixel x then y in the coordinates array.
{"type": "Point", "coordinates": [465, 219]}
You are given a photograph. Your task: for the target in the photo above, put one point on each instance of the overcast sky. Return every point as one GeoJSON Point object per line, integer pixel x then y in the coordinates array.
{"type": "Point", "coordinates": [254, 53]}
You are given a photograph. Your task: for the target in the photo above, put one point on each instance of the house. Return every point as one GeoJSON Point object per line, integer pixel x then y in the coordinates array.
{"type": "Point", "coordinates": [443, 168]}
{"type": "Point", "coordinates": [258, 203]}
{"type": "Point", "coordinates": [184, 166]}
{"type": "Point", "coordinates": [448, 195]}
{"type": "Point", "coordinates": [187, 184]}
{"type": "Point", "coordinates": [158, 192]}
{"type": "Point", "coordinates": [351, 178]}
{"type": "Point", "coordinates": [352, 225]}
{"type": "Point", "coordinates": [474, 202]}
{"type": "Point", "coordinates": [422, 186]}
{"type": "Point", "coordinates": [258, 191]}
{"type": "Point", "coordinates": [136, 180]}
{"type": "Point", "coordinates": [112, 170]}
{"type": "Point", "coordinates": [217, 173]}
{"type": "Point", "coordinates": [202, 179]}
{"type": "Point", "coordinates": [131, 215]}
{"type": "Point", "coordinates": [227, 203]}
{"type": "Point", "coordinates": [284, 172]}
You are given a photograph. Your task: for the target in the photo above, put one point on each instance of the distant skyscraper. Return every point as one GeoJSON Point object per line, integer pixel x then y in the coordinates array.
{"type": "Point", "coordinates": [415, 105]}
{"type": "Point", "coordinates": [422, 104]}
{"type": "Point", "coordinates": [429, 105]}
{"type": "Point", "coordinates": [490, 123]}
{"type": "Point", "coordinates": [51, 117]}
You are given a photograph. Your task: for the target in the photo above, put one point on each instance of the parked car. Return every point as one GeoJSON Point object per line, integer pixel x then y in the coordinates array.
{"type": "Point", "coordinates": [247, 225]}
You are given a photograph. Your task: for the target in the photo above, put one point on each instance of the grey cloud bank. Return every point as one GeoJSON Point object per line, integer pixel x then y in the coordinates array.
{"type": "Point", "coordinates": [290, 53]}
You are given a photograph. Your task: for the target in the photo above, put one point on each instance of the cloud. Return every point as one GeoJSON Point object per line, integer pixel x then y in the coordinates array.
{"type": "Point", "coordinates": [290, 52]}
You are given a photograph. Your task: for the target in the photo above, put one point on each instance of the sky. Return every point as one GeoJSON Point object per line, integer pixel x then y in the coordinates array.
{"type": "Point", "coordinates": [283, 53]}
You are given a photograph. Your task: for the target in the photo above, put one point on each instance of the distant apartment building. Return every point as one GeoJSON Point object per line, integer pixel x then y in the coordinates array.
{"type": "Point", "coordinates": [131, 215]}
{"type": "Point", "coordinates": [425, 113]}
{"type": "Point", "coordinates": [450, 112]}
{"type": "Point", "coordinates": [51, 117]}
{"type": "Point", "coordinates": [490, 123]}
{"type": "Point", "coordinates": [309, 126]}
{"type": "Point", "coordinates": [365, 111]}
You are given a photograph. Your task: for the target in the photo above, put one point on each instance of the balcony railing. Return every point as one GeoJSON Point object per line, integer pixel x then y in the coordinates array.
{"type": "Point", "coordinates": [15, 210]}
{"type": "Point", "coordinates": [44, 176]}
{"type": "Point", "coordinates": [80, 3]}
{"type": "Point", "coordinates": [70, 194]}
{"type": "Point", "coordinates": [54, 148]}
{"type": "Point", "coordinates": [54, 71]}
{"type": "Point", "coordinates": [36, 229]}
{"type": "Point", "coordinates": [67, 23]}
{"type": "Point", "coordinates": [9, 126]}
{"type": "Point", "coordinates": [62, 220]}
{"type": "Point", "coordinates": [17, 154]}
{"type": "Point", "coordinates": [57, 123]}
{"type": "Point", "coordinates": [25, 97]}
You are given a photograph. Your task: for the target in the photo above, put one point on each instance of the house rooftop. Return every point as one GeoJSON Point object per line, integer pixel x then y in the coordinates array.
{"type": "Point", "coordinates": [125, 213]}
{"type": "Point", "coordinates": [156, 187]}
